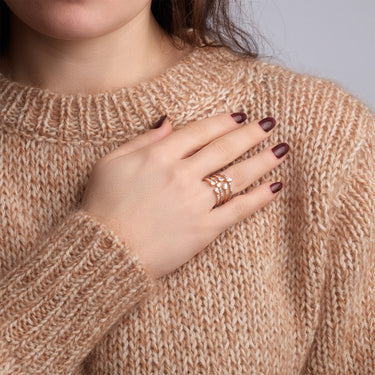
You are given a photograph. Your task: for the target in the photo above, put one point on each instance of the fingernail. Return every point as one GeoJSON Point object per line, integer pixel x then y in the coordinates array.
{"type": "Point", "coordinates": [280, 150]}
{"type": "Point", "coordinates": [267, 123]}
{"type": "Point", "coordinates": [239, 117]}
{"type": "Point", "coordinates": [159, 122]}
{"type": "Point", "coordinates": [276, 186]}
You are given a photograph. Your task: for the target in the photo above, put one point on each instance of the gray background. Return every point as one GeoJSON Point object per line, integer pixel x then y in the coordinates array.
{"type": "Point", "coordinates": [332, 39]}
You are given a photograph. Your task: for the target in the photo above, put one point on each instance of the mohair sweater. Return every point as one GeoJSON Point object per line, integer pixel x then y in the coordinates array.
{"type": "Point", "coordinates": [288, 290]}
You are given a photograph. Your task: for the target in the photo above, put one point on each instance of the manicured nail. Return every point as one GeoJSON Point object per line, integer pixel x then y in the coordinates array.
{"type": "Point", "coordinates": [159, 122]}
{"type": "Point", "coordinates": [280, 150]}
{"type": "Point", "coordinates": [276, 186]}
{"type": "Point", "coordinates": [239, 117]}
{"type": "Point", "coordinates": [267, 123]}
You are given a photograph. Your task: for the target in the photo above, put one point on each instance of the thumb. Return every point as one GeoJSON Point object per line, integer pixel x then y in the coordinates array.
{"type": "Point", "coordinates": [161, 129]}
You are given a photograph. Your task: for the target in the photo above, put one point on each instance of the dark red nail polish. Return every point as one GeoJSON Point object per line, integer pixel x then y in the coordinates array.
{"type": "Point", "coordinates": [267, 123]}
{"type": "Point", "coordinates": [276, 186]}
{"type": "Point", "coordinates": [280, 150]}
{"type": "Point", "coordinates": [159, 122]}
{"type": "Point", "coordinates": [239, 117]}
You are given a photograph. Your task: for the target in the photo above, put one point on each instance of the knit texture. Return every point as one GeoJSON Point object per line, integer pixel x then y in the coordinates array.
{"type": "Point", "coordinates": [288, 290]}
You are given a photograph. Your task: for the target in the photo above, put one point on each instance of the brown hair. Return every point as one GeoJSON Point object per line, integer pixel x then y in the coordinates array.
{"type": "Point", "coordinates": [204, 23]}
{"type": "Point", "coordinates": [4, 27]}
{"type": "Point", "coordinates": [195, 22]}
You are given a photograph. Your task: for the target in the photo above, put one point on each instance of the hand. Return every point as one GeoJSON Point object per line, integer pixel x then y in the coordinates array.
{"type": "Point", "coordinates": [150, 192]}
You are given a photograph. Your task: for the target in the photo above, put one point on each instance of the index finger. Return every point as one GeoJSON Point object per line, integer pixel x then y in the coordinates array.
{"type": "Point", "coordinates": [197, 134]}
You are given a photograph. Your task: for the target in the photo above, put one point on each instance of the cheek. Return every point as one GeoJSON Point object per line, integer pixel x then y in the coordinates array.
{"type": "Point", "coordinates": [73, 20]}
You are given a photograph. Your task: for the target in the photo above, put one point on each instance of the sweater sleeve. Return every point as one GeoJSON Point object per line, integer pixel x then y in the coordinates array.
{"type": "Point", "coordinates": [344, 342]}
{"type": "Point", "coordinates": [57, 304]}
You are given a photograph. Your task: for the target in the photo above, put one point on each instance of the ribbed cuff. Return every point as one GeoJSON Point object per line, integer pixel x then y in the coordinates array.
{"type": "Point", "coordinates": [60, 303]}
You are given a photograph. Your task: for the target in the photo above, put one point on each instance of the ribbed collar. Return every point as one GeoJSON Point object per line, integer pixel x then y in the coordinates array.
{"type": "Point", "coordinates": [105, 116]}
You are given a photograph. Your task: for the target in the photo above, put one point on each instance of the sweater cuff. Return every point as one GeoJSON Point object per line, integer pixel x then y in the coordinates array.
{"type": "Point", "coordinates": [59, 303]}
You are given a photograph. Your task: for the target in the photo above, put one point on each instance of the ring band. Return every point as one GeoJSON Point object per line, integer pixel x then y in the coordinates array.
{"type": "Point", "coordinates": [222, 187]}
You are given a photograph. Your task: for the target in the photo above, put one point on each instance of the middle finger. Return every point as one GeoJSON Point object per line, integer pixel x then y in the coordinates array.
{"type": "Point", "coordinates": [228, 147]}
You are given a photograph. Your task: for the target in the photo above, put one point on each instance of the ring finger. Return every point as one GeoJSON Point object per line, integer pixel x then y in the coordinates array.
{"type": "Point", "coordinates": [248, 171]}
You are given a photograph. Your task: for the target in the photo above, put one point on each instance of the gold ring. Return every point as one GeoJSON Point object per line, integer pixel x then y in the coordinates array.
{"type": "Point", "coordinates": [222, 187]}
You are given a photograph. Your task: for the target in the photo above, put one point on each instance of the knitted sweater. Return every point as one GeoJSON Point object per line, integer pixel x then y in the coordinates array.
{"type": "Point", "coordinates": [288, 290]}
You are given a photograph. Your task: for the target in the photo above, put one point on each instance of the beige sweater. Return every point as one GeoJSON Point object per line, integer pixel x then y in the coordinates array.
{"type": "Point", "coordinates": [289, 290]}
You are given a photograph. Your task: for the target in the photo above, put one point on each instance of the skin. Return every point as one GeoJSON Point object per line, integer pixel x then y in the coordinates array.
{"type": "Point", "coordinates": [162, 188]}
{"type": "Point", "coordinates": [84, 46]}
{"type": "Point", "coordinates": [150, 187]}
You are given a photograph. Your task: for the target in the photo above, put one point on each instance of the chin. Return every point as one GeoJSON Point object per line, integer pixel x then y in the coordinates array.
{"type": "Point", "coordinates": [75, 19]}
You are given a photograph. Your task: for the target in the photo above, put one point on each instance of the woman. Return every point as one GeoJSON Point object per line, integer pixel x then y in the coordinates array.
{"type": "Point", "coordinates": [120, 252]}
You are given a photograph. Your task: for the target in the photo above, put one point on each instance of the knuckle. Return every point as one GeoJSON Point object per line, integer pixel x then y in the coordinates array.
{"type": "Point", "coordinates": [200, 134]}
{"type": "Point", "coordinates": [238, 180]}
{"type": "Point", "coordinates": [240, 208]}
{"type": "Point", "coordinates": [182, 178]}
{"type": "Point", "coordinates": [170, 172]}
{"type": "Point", "coordinates": [177, 178]}
{"type": "Point", "coordinates": [184, 173]}
{"type": "Point", "coordinates": [225, 119]}
{"type": "Point", "coordinates": [221, 146]}
{"type": "Point", "coordinates": [156, 155]}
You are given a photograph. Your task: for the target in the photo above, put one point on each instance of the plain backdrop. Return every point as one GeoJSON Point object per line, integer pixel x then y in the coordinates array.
{"type": "Point", "coordinates": [332, 39]}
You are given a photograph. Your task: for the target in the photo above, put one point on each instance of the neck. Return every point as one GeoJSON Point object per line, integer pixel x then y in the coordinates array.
{"type": "Point", "coordinates": [124, 57]}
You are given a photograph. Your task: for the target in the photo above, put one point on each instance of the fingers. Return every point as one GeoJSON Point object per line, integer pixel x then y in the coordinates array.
{"type": "Point", "coordinates": [241, 207]}
{"type": "Point", "coordinates": [228, 147]}
{"type": "Point", "coordinates": [148, 138]}
{"type": "Point", "coordinates": [248, 171]}
{"type": "Point", "coordinates": [197, 134]}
